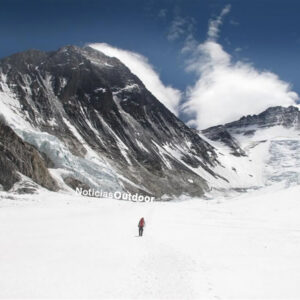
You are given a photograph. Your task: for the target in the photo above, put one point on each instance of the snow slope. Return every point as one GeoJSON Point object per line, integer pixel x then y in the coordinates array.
{"type": "Point", "coordinates": [53, 246]}
{"type": "Point", "coordinates": [274, 155]}
{"type": "Point", "coordinates": [271, 156]}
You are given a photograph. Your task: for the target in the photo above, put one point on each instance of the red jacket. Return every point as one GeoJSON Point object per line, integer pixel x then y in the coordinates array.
{"type": "Point", "coordinates": [141, 222]}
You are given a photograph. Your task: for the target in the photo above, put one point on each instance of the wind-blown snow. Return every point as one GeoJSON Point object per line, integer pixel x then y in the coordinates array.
{"type": "Point", "coordinates": [55, 246]}
{"type": "Point", "coordinates": [140, 66]}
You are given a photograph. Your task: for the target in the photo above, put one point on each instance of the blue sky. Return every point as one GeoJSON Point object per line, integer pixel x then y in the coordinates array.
{"type": "Point", "coordinates": [265, 33]}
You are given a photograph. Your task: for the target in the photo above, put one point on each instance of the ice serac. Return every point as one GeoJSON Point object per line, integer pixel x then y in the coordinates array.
{"type": "Point", "coordinates": [100, 126]}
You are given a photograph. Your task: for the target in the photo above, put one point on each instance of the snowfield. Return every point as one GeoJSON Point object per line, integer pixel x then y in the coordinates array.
{"type": "Point", "coordinates": [58, 246]}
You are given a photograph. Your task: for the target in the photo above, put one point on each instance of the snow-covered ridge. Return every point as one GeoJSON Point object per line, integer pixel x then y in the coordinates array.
{"type": "Point", "coordinates": [270, 145]}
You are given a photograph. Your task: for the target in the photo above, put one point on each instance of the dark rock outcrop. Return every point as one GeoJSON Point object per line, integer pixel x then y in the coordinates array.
{"type": "Point", "coordinates": [75, 183]}
{"type": "Point", "coordinates": [221, 134]}
{"type": "Point", "coordinates": [17, 156]}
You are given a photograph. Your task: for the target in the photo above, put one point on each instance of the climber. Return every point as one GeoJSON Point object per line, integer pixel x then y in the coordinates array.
{"type": "Point", "coordinates": [141, 226]}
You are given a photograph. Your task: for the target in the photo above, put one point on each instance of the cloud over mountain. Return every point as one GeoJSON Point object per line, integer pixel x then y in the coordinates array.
{"type": "Point", "coordinates": [140, 66]}
{"type": "Point", "coordinates": [226, 90]}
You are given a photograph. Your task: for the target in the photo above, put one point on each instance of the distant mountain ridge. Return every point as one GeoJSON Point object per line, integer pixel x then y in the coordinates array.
{"type": "Point", "coordinates": [267, 145]}
{"type": "Point", "coordinates": [288, 117]}
{"type": "Point", "coordinates": [273, 116]}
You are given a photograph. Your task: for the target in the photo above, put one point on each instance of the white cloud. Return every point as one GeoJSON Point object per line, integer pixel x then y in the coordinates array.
{"type": "Point", "coordinates": [234, 23]}
{"type": "Point", "coordinates": [238, 49]}
{"type": "Point", "coordinates": [227, 90]}
{"type": "Point", "coordinates": [162, 13]}
{"type": "Point", "coordinates": [140, 66]}
{"type": "Point", "coordinates": [180, 27]}
{"type": "Point", "coordinates": [214, 24]}
{"type": "Point", "coordinates": [190, 44]}
{"type": "Point", "coordinates": [177, 29]}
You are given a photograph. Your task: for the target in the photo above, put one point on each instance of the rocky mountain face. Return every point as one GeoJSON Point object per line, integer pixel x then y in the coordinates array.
{"type": "Point", "coordinates": [98, 125]}
{"type": "Point", "coordinates": [221, 134]}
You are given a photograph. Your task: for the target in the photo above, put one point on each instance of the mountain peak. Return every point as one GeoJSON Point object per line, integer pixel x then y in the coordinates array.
{"type": "Point", "coordinates": [92, 106]}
